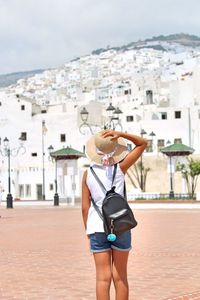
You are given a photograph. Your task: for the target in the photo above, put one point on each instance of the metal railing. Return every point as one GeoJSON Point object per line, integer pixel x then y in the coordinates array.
{"type": "Point", "coordinates": [160, 196]}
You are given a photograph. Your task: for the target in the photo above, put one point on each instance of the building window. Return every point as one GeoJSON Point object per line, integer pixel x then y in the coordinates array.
{"type": "Point", "coordinates": [149, 97]}
{"type": "Point", "coordinates": [22, 107]}
{"type": "Point", "coordinates": [62, 138]}
{"type": "Point", "coordinates": [149, 147]}
{"type": "Point", "coordinates": [43, 111]}
{"type": "Point", "coordinates": [51, 187]}
{"type": "Point", "coordinates": [21, 190]}
{"type": "Point", "coordinates": [163, 116]}
{"type": "Point", "coordinates": [160, 144]}
{"type": "Point", "coordinates": [28, 190]}
{"type": "Point", "coordinates": [127, 92]}
{"type": "Point", "coordinates": [34, 154]}
{"type": "Point", "coordinates": [178, 141]}
{"type": "Point", "coordinates": [177, 114]}
{"type": "Point", "coordinates": [129, 118]}
{"type": "Point", "coordinates": [23, 136]}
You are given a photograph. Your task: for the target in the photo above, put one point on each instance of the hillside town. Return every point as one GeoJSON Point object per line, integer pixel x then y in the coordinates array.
{"type": "Point", "coordinates": [145, 91]}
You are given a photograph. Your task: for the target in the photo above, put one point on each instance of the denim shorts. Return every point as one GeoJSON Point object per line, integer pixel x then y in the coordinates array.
{"type": "Point", "coordinates": [99, 242]}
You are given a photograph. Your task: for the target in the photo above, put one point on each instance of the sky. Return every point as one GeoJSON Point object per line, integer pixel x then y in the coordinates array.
{"type": "Point", "coordinates": [39, 34]}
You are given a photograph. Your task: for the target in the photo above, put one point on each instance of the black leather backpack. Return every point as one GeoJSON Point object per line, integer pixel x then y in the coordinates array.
{"type": "Point", "coordinates": [116, 214]}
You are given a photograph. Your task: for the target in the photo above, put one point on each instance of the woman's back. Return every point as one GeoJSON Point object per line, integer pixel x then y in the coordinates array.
{"type": "Point", "coordinates": [104, 173]}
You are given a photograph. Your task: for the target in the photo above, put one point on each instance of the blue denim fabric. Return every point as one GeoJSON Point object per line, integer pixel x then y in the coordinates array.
{"type": "Point", "coordinates": [99, 242]}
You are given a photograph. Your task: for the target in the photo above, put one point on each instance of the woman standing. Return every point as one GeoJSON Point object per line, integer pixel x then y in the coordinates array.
{"type": "Point", "coordinates": [105, 149]}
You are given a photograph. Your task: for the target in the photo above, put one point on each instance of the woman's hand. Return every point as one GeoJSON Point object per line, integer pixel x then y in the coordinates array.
{"type": "Point", "coordinates": [109, 132]}
{"type": "Point", "coordinates": [132, 156]}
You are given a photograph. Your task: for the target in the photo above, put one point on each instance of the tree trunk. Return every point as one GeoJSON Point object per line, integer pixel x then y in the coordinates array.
{"type": "Point", "coordinates": [131, 179]}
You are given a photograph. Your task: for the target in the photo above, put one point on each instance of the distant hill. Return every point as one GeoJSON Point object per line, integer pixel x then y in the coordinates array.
{"type": "Point", "coordinates": [180, 38]}
{"type": "Point", "coordinates": [156, 42]}
{"type": "Point", "coordinates": [8, 79]}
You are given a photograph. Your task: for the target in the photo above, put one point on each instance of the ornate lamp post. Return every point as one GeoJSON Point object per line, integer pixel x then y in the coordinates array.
{"type": "Point", "coordinates": [152, 135]}
{"type": "Point", "coordinates": [142, 133]}
{"type": "Point", "coordinates": [44, 131]}
{"type": "Point", "coordinates": [110, 109]}
{"type": "Point", "coordinates": [84, 117]}
{"type": "Point", "coordinates": [56, 196]}
{"type": "Point", "coordinates": [7, 151]}
{"type": "Point", "coordinates": [113, 116]}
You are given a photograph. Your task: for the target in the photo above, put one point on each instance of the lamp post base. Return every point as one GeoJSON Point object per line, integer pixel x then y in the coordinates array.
{"type": "Point", "coordinates": [171, 194]}
{"type": "Point", "coordinates": [56, 199]}
{"type": "Point", "coordinates": [9, 200]}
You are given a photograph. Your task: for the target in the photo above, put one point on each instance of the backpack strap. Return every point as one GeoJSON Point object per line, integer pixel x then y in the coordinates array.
{"type": "Point", "coordinates": [98, 180]}
{"type": "Point", "coordinates": [114, 174]}
{"type": "Point", "coordinates": [97, 208]}
{"type": "Point", "coordinates": [113, 179]}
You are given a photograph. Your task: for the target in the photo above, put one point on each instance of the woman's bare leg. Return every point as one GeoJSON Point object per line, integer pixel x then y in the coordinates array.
{"type": "Point", "coordinates": [119, 272]}
{"type": "Point", "coordinates": [103, 275]}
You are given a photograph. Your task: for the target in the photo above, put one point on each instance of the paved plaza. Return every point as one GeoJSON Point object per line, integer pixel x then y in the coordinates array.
{"type": "Point", "coordinates": [44, 255]}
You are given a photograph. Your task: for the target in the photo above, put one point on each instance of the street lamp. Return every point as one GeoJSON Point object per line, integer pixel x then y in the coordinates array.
{"type": "Point", "coordinates": [110, 110]}
{"type": "Point", "coordinates": [7, 151]}
{"type": "Point", "coordinates": [84, 114]}
{"type": "Point", "coordinates": [113, 117]}
{"type": "Point", "coordinates": [171, 192]}
{"type": "Point", "coordinates": [44, 131]}
{"type": "Point", "coordinates": [152, 134]}
{"type": "Point", "coordinates": [84, 117]}
{"type": "Point", "coordinates": [56, 196]}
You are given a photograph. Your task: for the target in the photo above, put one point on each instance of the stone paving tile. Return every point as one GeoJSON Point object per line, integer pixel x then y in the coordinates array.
{"type": "Point", "coordinates": [193, 296]}
{"type": "Point", "coordinates": [44, 255]}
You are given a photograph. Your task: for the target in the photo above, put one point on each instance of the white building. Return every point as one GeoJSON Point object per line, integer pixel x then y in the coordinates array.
{"type": "Point", "coordinates": [156, 91]}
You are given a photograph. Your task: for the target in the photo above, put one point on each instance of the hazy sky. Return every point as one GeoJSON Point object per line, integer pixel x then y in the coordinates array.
{"type": "Point", "coordinates": [47, 33]}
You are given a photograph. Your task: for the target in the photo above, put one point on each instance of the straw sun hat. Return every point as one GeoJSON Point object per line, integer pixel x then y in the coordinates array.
{"type": "Point", "coordinates": [102, 150]}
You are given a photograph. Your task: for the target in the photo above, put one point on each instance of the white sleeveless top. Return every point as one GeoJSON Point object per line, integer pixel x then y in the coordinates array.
{"type": "Point", "coordinates": [94, 222]}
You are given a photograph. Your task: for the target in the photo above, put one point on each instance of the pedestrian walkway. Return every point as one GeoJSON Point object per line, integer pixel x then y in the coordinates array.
{"type": "Point", "coordinates": [44, 255]}
{"type": "Point", "coordinates": [188, 296]}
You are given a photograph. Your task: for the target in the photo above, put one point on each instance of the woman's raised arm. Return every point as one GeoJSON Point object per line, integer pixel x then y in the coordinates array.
{"type": "Point", "coordinates": [132, 157]}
